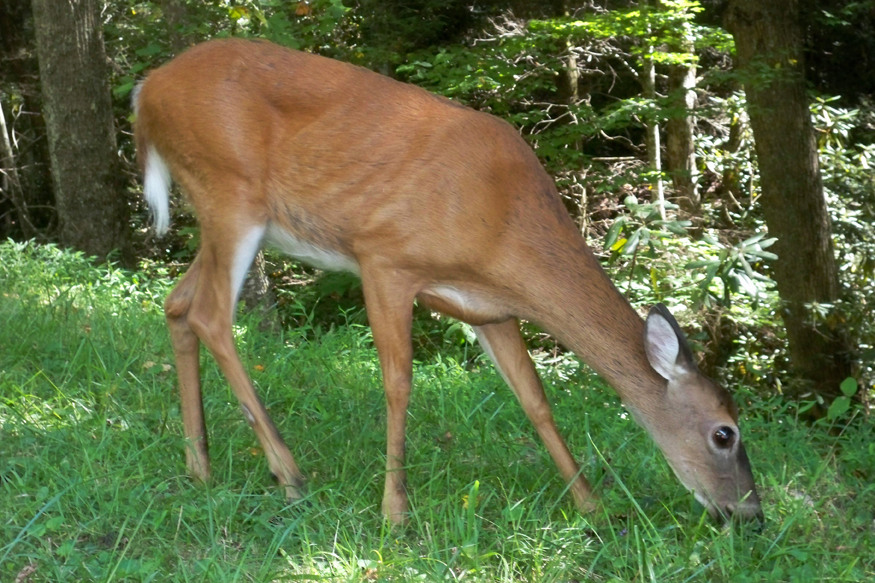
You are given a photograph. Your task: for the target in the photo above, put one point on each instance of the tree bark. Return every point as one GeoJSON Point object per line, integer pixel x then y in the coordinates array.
{"type": "Point", "coordinates": [680, 149]}
{"type": "Point", "coordinates": [730, 183]}
{"type": "Point", "coordinates": [258, 295]}
{"type": "Point", "coordinates": [19, 72]}
{"type": "Point", "coordinates": [79, 119]}
{"type": "Point", "coordinates": [10, 185]}
{"type": "Point", "coordinates": [768, 39]}
{"type": "Point", "coordinates": [176, 16]}
{"type": "Point", "coordinates": [654, 147]}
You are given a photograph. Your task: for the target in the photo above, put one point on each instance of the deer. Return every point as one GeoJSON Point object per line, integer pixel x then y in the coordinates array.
{"type": "Point", "coordinates": [427, 201]}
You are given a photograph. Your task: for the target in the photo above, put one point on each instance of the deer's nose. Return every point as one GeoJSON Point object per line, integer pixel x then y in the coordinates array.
{"type": "Point", "coordinates": [746, 511]}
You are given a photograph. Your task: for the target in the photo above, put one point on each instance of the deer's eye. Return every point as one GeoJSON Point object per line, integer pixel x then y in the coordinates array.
{"type": "Point", "coordinates": [723, 437]}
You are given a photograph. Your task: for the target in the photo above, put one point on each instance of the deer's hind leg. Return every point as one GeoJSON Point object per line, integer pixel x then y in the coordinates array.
{"type": "Point", "coordinates": [186, 350]}
{"type": "Point", "coordinates": [202, 308]}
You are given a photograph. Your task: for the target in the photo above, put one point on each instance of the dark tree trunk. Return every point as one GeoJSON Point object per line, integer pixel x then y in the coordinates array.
{"type": "Point", "coordinates": [26, 203]}
{"type": "Point", "coordinates": [768, 39]}
{"type": "Point", "coordinates": [176, 16]}
{"type": "Point", "coordinates": [10, 185]}
{"type": "Point", "coordinates": [79, 119]}
{"type": "Point", "coordinates": [730, 183]}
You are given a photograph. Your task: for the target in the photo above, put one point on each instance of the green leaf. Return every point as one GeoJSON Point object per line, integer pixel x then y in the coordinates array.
{"type": "Point", "coordinates": [747, 268]}
{"type": "Point", "coordinates": [849, 386]}
{"type": "Point", "coordinates": [55, 522]}
{"type": "Point", "coordinates": [676, 228]}
{"type": "Point", "coordinates": [708, 239]}
{"type": "Point", "coordinates": [838, 407]}
{"type": "Point", "coordinates": [614, 232]}
{"type": "Point", "coordinates": [747, 285]}
{"type": "Point", "coordinates": [731, 282]}
{"type": "Point", "coordinates": [150, 50]}
{"type": "Point", "coordinates": [645, 235]}
{"type": "Point", "coordinates": [762, 254]}
{"type": "Point", "coordinates": [710, 273]}
{"type": "Point", "coordinates": [38, 530]}
{"type": "Point", "coordinates": [632, 243]}
{"type": "Point", "coordinates": [752, 240]}
{"type": "Point", "coordinates": [122, 91]}
{"type": "Point", "coordinates": [65, 549]}
{"type": "Point", "coordinates": [701, 263]}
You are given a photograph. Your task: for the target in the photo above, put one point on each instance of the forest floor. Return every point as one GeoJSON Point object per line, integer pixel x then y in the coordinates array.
{"type": "Point", "coordinates": [93, 484]}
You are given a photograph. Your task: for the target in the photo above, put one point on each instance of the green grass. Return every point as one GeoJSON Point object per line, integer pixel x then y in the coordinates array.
{"type": "Point", "coordinates": [93, 484]}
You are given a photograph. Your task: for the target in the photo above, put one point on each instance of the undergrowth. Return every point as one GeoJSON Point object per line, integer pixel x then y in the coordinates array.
{"type": "Point", "coordinates": [93, 484]}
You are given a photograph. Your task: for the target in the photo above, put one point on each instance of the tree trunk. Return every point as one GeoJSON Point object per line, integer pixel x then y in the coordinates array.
{"type": "Point", "coordinates": [27, 151]}
{"type": "Point", "coordinates": [569, 91]}
{"type": "Point", "coordinates": [79, 119]}
{"type": "Point", "coordinates": [176, 17]}
{"type": "Point", "coordinates": [730, 182]}
{"type": "Point", "coordinates": [258, 295]}
{"type": "Point", "coordinates": [654, 156]}
{"type": "Point", "coordinates": [768, 39]}
{"type": "Point", "coordinates": [10, 185]}
{"type": "Point", "coordinates": [680, 148]}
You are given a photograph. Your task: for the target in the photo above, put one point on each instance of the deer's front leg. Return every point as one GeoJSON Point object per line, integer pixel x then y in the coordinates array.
{"type": "Point", "coordinates": [389, 298]}
{"type": "Point", "coordinates": [505, 346]}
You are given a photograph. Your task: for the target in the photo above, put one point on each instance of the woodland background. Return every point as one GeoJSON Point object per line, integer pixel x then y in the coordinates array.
{"type": "Point", "coordinates": [717, 155]}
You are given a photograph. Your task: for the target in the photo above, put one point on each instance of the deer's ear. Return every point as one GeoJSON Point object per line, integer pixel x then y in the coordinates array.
{"type": "Point", "coordinates": [665, 345]}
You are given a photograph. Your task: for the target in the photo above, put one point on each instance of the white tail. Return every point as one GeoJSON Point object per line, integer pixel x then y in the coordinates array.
{"type": "Point", "coordinates": [426, 200]}
{"type": "Point", "coordinates": [156, 189]}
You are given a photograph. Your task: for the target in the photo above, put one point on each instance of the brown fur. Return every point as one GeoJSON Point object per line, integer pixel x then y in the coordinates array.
{"type": "Point", "coordinates": [428, 199]}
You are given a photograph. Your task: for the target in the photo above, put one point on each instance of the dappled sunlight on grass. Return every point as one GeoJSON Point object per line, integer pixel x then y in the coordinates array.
{"type": "Point", "coordinates": [92, 466]}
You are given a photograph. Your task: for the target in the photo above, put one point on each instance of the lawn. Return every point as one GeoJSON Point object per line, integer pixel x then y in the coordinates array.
{"type": "Point", "coordinates": [93, 484]}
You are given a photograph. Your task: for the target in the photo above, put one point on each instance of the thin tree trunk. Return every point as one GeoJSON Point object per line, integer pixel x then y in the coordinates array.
{"type": "Point", "coordinates": [176, 15]}
{"type": "Point", "coordinates": [679, 145]}
{"type": "Point", "coordinates": [730, 182]}
{"type": "Point", "coordinates": [654, 157]}
{"type": "Point", "coordinates": [768, 39]}
{"type": "Point", "coordinates": [258, 295]}
{"type": "Point", "coordinates": [570, 92]}
{"type": "Point", "coordinates": [10, 185]}
{"type": "Point", "coordinates": [79, 119]}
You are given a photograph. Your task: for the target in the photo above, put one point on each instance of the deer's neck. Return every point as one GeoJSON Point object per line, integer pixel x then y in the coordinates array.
{"type": "Point", "coordinates": [573, 299]}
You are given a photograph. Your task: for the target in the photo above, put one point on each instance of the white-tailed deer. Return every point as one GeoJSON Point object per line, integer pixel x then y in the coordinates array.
{"type": "Point", "coordinates": [426, 200]}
